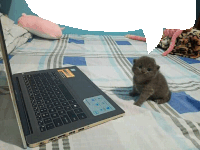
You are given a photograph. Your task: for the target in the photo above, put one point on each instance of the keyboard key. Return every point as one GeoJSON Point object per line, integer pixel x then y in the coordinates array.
{"type": "Point", "coordinates": [41, 88]}
{"type": "Point", "coordinates": [57, 122]}
{"type": "Point", "coordinates": [72, 102]}
{"type": "Point", "coordinates": [52, 95]}
{"type": "Point", "coordinates": [49, 90]}
{"type": "Point", "coordinates": [35, 109]}
{"type": "Point", "coordinates": [36, 94]}
{"type": "Point", "coordinates": [45, 115]}
{"type": "Point", "coordinates": [56, 103]}
{"type": "Point", "coordinates": [42, 128]}
{"type": "Point", "coordinates": [35, 91]}
{"type": "Point", "coordinates": [40, 123]}
{"type": "Point", "coordinates": [50, 106]}
{"type": "Point", "coordinates": [34, 104]}
{"type": "Point", "coordinates": [81, 116]}
{"type": "Point", "coordinates": [34, 87]}
{"type": "Point", "coordinates": [54, 99]}
{"type": "Point", "coordinates": [59, 108]}
{"type": "Point", "coordinates": [38, 98]}
{"type": "Point", "coordinates": [43, 110]}
{"type": "Point", "coordinates": [44, 95]}
{"type": "Point", "coordinates": [37, 113]}
{"type": "Point", "coordinates": [48, 102]}
{"type": "Point", "coordinates": [40, 102]}
{"type": "Point", "coordinates": [78, 110]}
{"type": "Point", "coordinates": [46, 86]}
{"type": "Point", "coordinates": [40, 85]}
{"type": "Point", "coordinates": [50, 126]}
{"type": "Point", "coordinates": [46, 98]}
{"type": "Point", "coordinates": [58, 92]}
{"type": "Point", "coordinates": [65, 119]}
{"type": "Point", "coordinates": [56, 89]}
{"type": "Point", "coordinates": [33, 101]}
{"type": "Point", "coordinates": [61, 112]}
{"type": "Point", "coordinates": [52, 110]}
{"type": "Point", "coordinates": [41, 106]}
{"type": "Point", "coordinates": [38, 117]}
{"type": "Point", "coordinates": [47, 120]}
{"type": "Point", "coordinates": [62, 100]}
{"type": "Point", "coordinates": [72, 115]}
{"type": "Point", "coordinates": [67, 108]}
{"type": "Point", "coordinates": [53, 86]}
{"type": "Point", "coordinates": [54, 115]}
{"type": "Point", "coordinates": [43, 91]}
{"type": "Point", "coordinates": [32, 98]}
{"type": "Point", "coordinates": [74, 106]}
{"type": "Point", "coordinates": [65, 104]}
{"type": "Point", "coordinates": [60, 96]}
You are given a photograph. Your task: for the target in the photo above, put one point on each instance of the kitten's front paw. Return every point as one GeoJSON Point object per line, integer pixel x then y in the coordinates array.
{"type": "Point", "coordinates": [137, 104]}
{"type": "Point", "coordinates": [133, 94]}
{"type": "Point", "coordinates": [160, 101]}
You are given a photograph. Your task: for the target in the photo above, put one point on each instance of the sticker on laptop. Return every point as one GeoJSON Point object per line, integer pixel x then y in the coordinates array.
{"type": "Point", "coordinates": [66, 72]}
{"type": "Point", "coordinates": [98, 105]}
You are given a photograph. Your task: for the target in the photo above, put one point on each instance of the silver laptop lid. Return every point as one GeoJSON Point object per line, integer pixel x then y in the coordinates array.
{"type": "Point", "coordinates": [3, 50]}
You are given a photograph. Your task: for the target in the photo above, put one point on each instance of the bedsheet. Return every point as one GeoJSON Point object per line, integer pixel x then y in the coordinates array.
{"type": "Point", "coordinates": [107, 61]}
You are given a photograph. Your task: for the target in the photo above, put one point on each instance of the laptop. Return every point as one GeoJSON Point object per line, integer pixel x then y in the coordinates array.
{"type": "Point", "coordinates": [55, 103]}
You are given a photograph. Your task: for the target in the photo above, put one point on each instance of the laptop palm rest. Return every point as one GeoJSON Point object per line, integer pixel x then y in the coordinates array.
{"type": "Point", "coordinates": [83, 88]}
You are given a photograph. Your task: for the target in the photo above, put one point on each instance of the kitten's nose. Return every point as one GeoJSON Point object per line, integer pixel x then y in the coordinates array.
{"type": "Point", "coordinates": [143, 71]}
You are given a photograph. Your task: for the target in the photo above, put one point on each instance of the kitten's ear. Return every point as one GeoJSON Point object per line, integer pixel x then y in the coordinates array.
{"type": "Point", "coordinates": [134, 60]}
{"type": "Point", "coordinates": [158, 67]}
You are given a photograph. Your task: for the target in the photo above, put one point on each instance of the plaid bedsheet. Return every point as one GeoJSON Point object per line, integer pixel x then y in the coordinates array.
{"type": "Point", "coordinates": [107, 61]}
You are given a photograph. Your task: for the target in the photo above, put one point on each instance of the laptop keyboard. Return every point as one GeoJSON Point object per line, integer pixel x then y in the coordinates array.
{"type": "Point", "coordinates": [53, 104]}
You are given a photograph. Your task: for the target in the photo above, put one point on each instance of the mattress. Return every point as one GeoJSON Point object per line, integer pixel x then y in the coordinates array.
{"type": "Point", "coordinates": [107, 61]}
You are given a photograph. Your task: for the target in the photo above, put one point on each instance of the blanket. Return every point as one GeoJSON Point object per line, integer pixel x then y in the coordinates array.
{"type": "Point", "coordinates": [14, 35]}
{"type": "Point", "coordinates": [107, 61]}
{"type": "Point", "coordinates": [187, 44]}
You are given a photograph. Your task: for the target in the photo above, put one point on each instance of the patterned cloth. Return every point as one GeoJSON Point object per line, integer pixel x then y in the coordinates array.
{"type": "Point", "coordinates": [187, 44]}
{"type": "Point", "coordinates": [107, 61]}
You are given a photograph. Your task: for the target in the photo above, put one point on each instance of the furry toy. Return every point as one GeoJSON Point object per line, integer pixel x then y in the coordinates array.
{"type": "Point", "coordinates": [174, 33]}
{"type": "Point", "coordinates": [134, 37]}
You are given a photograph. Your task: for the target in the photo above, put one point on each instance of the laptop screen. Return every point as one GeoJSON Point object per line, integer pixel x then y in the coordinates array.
{"type": "Point", "coordinates": [3, 50]}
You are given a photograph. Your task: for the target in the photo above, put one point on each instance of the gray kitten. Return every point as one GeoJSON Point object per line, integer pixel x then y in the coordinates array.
{"type": "Point", "coordinates": [148, 82]}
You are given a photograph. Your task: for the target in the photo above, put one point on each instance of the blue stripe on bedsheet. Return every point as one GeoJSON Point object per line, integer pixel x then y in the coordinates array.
{"type": "Point", "coordinates": [75, 41]}
{"type": "Point", "coordinates": [190, 60]}
{"type": "Point", "coordinates": [9, 57]}
{"type": "Point", "coordinates": [131, 59]}
{"type": "Point", "coordinates": [184, 103]}
{"type": "Point", "coordinates": [170, 131]}
{"type": "Point", "coordinates": [42, 59]}
{"type": "Point", "coordinates": [123, 42]}
{"type": "Point", "coordinates": [78, 61]}
{"type": "Point", "coordinates": [111, 60]}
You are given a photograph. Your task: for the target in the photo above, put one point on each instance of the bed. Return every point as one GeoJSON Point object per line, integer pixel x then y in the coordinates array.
{"type": "Point", "coordinates": [107, 61]}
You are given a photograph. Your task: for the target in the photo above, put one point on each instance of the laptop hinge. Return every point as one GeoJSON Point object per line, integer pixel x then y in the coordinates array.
{"type": "Point", "coordinates": [22, 110]}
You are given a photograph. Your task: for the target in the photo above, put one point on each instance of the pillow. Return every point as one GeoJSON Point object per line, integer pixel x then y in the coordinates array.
{"type": "Point", "coordinates": [40, 27]}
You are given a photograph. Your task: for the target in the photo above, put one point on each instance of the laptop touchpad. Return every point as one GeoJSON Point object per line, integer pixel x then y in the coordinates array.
{"type": "Point", "coordinates": [83, 88]}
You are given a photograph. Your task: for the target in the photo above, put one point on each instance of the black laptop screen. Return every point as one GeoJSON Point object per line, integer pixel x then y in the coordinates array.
{"type": "Point", "coordinates": [5, 54]}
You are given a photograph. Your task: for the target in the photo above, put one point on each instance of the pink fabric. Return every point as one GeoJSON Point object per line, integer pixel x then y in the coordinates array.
{"type": "Point", "coordinates": [134, 37]}
{"type": "Point", "coordinates": [40, 27]}
{"type": "Point", "coordinates": [169, 32]}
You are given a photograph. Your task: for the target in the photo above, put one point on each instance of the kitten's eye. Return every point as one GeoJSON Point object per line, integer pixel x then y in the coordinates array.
{"type": "Point", "coordinates": [149, 69]}
{"type": "Point", "coordinates": [140, 66]}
